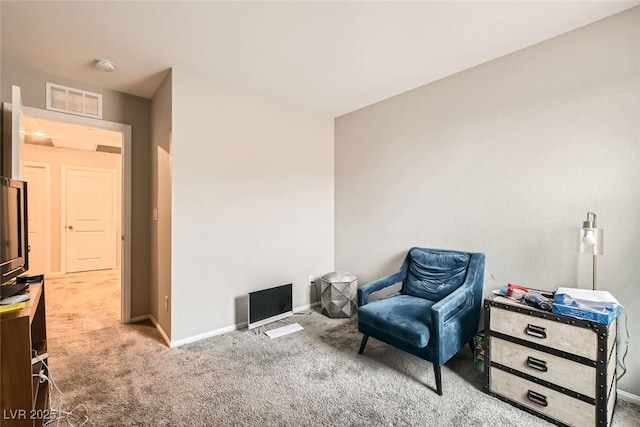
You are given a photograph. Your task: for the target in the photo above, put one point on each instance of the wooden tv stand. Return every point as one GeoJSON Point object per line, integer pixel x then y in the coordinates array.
{"type": "Point", "coordinates": [24, 398]}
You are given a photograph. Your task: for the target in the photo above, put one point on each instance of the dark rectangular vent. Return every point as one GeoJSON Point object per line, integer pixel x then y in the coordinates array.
{"type": "Point", "coordinates": [108, 149]}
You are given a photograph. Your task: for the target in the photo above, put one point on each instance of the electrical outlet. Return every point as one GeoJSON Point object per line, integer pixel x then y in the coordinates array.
{"type": "Point", "coordinates": [166, 303]}
{"type": "Point", "coordinates": [312, 279]}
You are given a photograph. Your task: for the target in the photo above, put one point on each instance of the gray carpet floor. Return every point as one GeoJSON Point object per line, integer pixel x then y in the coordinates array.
{"type": "Point", "coordinates": [124, 375]}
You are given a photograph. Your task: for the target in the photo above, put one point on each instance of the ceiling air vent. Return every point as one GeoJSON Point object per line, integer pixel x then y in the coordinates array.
{"type": "Point", "coordinates": [74, 101]}
{"type": "Point", "coordinates": [38, 140]}
{"type": "Point", "coordinates": [108, 149]}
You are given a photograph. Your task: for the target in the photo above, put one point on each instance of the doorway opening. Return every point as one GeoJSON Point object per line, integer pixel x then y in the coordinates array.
{"type": "Point", "coordinates": [79, 174]}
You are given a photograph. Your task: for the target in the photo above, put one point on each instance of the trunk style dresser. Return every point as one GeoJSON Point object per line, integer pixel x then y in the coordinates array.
{"type": "Point", "coordinates": [557, 367]}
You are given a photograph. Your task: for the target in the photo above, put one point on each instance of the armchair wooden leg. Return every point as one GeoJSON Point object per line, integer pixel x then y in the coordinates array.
{"type": "Point", "coordinates": [363, 343]}
{"type": "Point", "coordinates": [436, 370]}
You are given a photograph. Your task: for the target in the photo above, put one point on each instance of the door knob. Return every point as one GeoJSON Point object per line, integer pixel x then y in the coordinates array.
{"type": "Point", "coordinates": [70, 227]}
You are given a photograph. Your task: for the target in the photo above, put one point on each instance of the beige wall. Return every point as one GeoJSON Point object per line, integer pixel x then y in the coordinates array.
{"type": "Point", "coordinates": [121, 108]}
{"type": "Point", "coordinates": [56, 158]}
{"type": "Point", "coordinates": [506, 158]}
{"type": "Point", "coordinates": [161, 124]}
{"type": "Point", "coordinates": [252, 190]}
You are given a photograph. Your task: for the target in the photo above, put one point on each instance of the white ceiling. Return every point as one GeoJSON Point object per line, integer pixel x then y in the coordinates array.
{"type": "Point", "coordinates": [334, 56]}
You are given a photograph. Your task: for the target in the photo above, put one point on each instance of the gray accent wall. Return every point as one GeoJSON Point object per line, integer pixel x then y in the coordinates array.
{"type": "Point", "coordinates": [506, 158]}
{"type": "Point", "coordinates": [161, 128]}
{"type": "Point", "coordinates": [121, 108]}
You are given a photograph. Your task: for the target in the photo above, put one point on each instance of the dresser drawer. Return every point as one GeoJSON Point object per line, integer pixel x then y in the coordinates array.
{"type": "Point", "coordinates": [548, 402]}
{"type": "Point", "coordinates": [562, 372]}
{"type": "Point", "coordinates": [571, 339]}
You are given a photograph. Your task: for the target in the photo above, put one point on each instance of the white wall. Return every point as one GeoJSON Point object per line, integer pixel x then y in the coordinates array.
{"type": "Point", "coordinates": [252, 202]}
{"type": "Point", "coordinates": [506, 159]}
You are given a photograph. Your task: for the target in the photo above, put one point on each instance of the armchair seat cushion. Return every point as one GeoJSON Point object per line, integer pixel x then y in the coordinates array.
{"type": "Point", "coordinates": [404, 316]}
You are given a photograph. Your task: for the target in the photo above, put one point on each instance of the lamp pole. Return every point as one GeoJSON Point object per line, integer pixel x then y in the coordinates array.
{"type": "Point", "coordinates": [594, 272]}
{"type": "Point", "coordinates": [591, 224]}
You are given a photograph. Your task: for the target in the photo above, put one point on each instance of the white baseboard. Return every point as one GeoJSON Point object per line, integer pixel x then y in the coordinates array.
{"type": "Point", "coordinates": [155, 323]}
{"type": "Point", "coordinates": [204, 335]}
{"type": "Point", "coordinates": [209, 334]}
{"type": "Point", "coordinates": [226, 329]}
{"type": "Point", "coordinates": [628, 397]}
{"type": "Point", "coordinates": [305, 307]}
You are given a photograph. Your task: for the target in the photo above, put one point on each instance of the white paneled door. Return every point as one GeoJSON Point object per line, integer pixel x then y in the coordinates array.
{"type": "Point", "coordinates": [89, 212]}
{"type": "Point", "coordinates": [38, 202]}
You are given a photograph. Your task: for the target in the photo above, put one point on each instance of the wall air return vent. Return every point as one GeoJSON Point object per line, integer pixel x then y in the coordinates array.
{"type": "Point", "coordinates": [74, 101]}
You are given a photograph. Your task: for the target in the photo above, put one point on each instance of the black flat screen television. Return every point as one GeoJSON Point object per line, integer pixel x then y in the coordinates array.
{"type": "Point", "coordinates": [269, 305]}
{"type": "Point", "coordinates": [14, 246]}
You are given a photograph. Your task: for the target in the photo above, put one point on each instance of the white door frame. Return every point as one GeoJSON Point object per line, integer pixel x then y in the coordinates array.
{"type": "Point", "coordinates": [125, 205]}
{"type": "Point", "coordinates": [47, 210]}
{"type": "Point", "coordinates": [63, 211]}
{"type": "Point", "coordinates": [17, 132]}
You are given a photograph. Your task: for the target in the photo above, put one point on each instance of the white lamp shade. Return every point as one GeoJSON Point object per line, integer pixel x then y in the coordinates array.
{"type": "Point", "coordinates": [591, 240]}
{"type": "Point", "coordinates": [589, 236]}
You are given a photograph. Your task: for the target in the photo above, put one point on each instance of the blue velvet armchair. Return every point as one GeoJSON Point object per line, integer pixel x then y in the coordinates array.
{"type": "Point", "coordinates": [435, 313]}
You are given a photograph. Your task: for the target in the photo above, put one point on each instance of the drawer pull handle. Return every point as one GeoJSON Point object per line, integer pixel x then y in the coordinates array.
{"type": "Point", "coordinates": [536, 331]}
{"type": "Point", "coordinates": [538, 364]}
{"type": "Point", "coordinates": [538, 398]}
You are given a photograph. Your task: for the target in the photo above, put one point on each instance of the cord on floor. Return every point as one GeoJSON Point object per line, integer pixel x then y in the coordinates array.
{"type": "Point", "coordinates": [78, 413]}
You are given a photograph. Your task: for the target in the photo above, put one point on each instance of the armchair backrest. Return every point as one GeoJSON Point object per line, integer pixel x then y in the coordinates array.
{"type": "Point", "coordinates": [434, 273]}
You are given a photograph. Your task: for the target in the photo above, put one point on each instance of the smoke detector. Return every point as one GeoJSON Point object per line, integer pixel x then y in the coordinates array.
{"type": "Point", "coordinates": [105, 65]}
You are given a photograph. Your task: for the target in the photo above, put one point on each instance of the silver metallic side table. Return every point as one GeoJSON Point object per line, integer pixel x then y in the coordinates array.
{"type": "Point", "coordinates": [338, 291]}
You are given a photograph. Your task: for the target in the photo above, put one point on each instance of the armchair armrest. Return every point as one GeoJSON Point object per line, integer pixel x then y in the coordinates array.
{"type": "Point", "coordinates": [453, 305]}
{"type": "Point", "coordinates": [460, 310]}
{"type": "Point", "coordinates": [377, 285]}
{"type": "Point", "coordinates": [456, 304]}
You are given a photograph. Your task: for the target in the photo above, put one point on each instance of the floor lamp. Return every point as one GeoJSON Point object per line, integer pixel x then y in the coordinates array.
{"type": "Point", "coordinates": [591, 240]}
